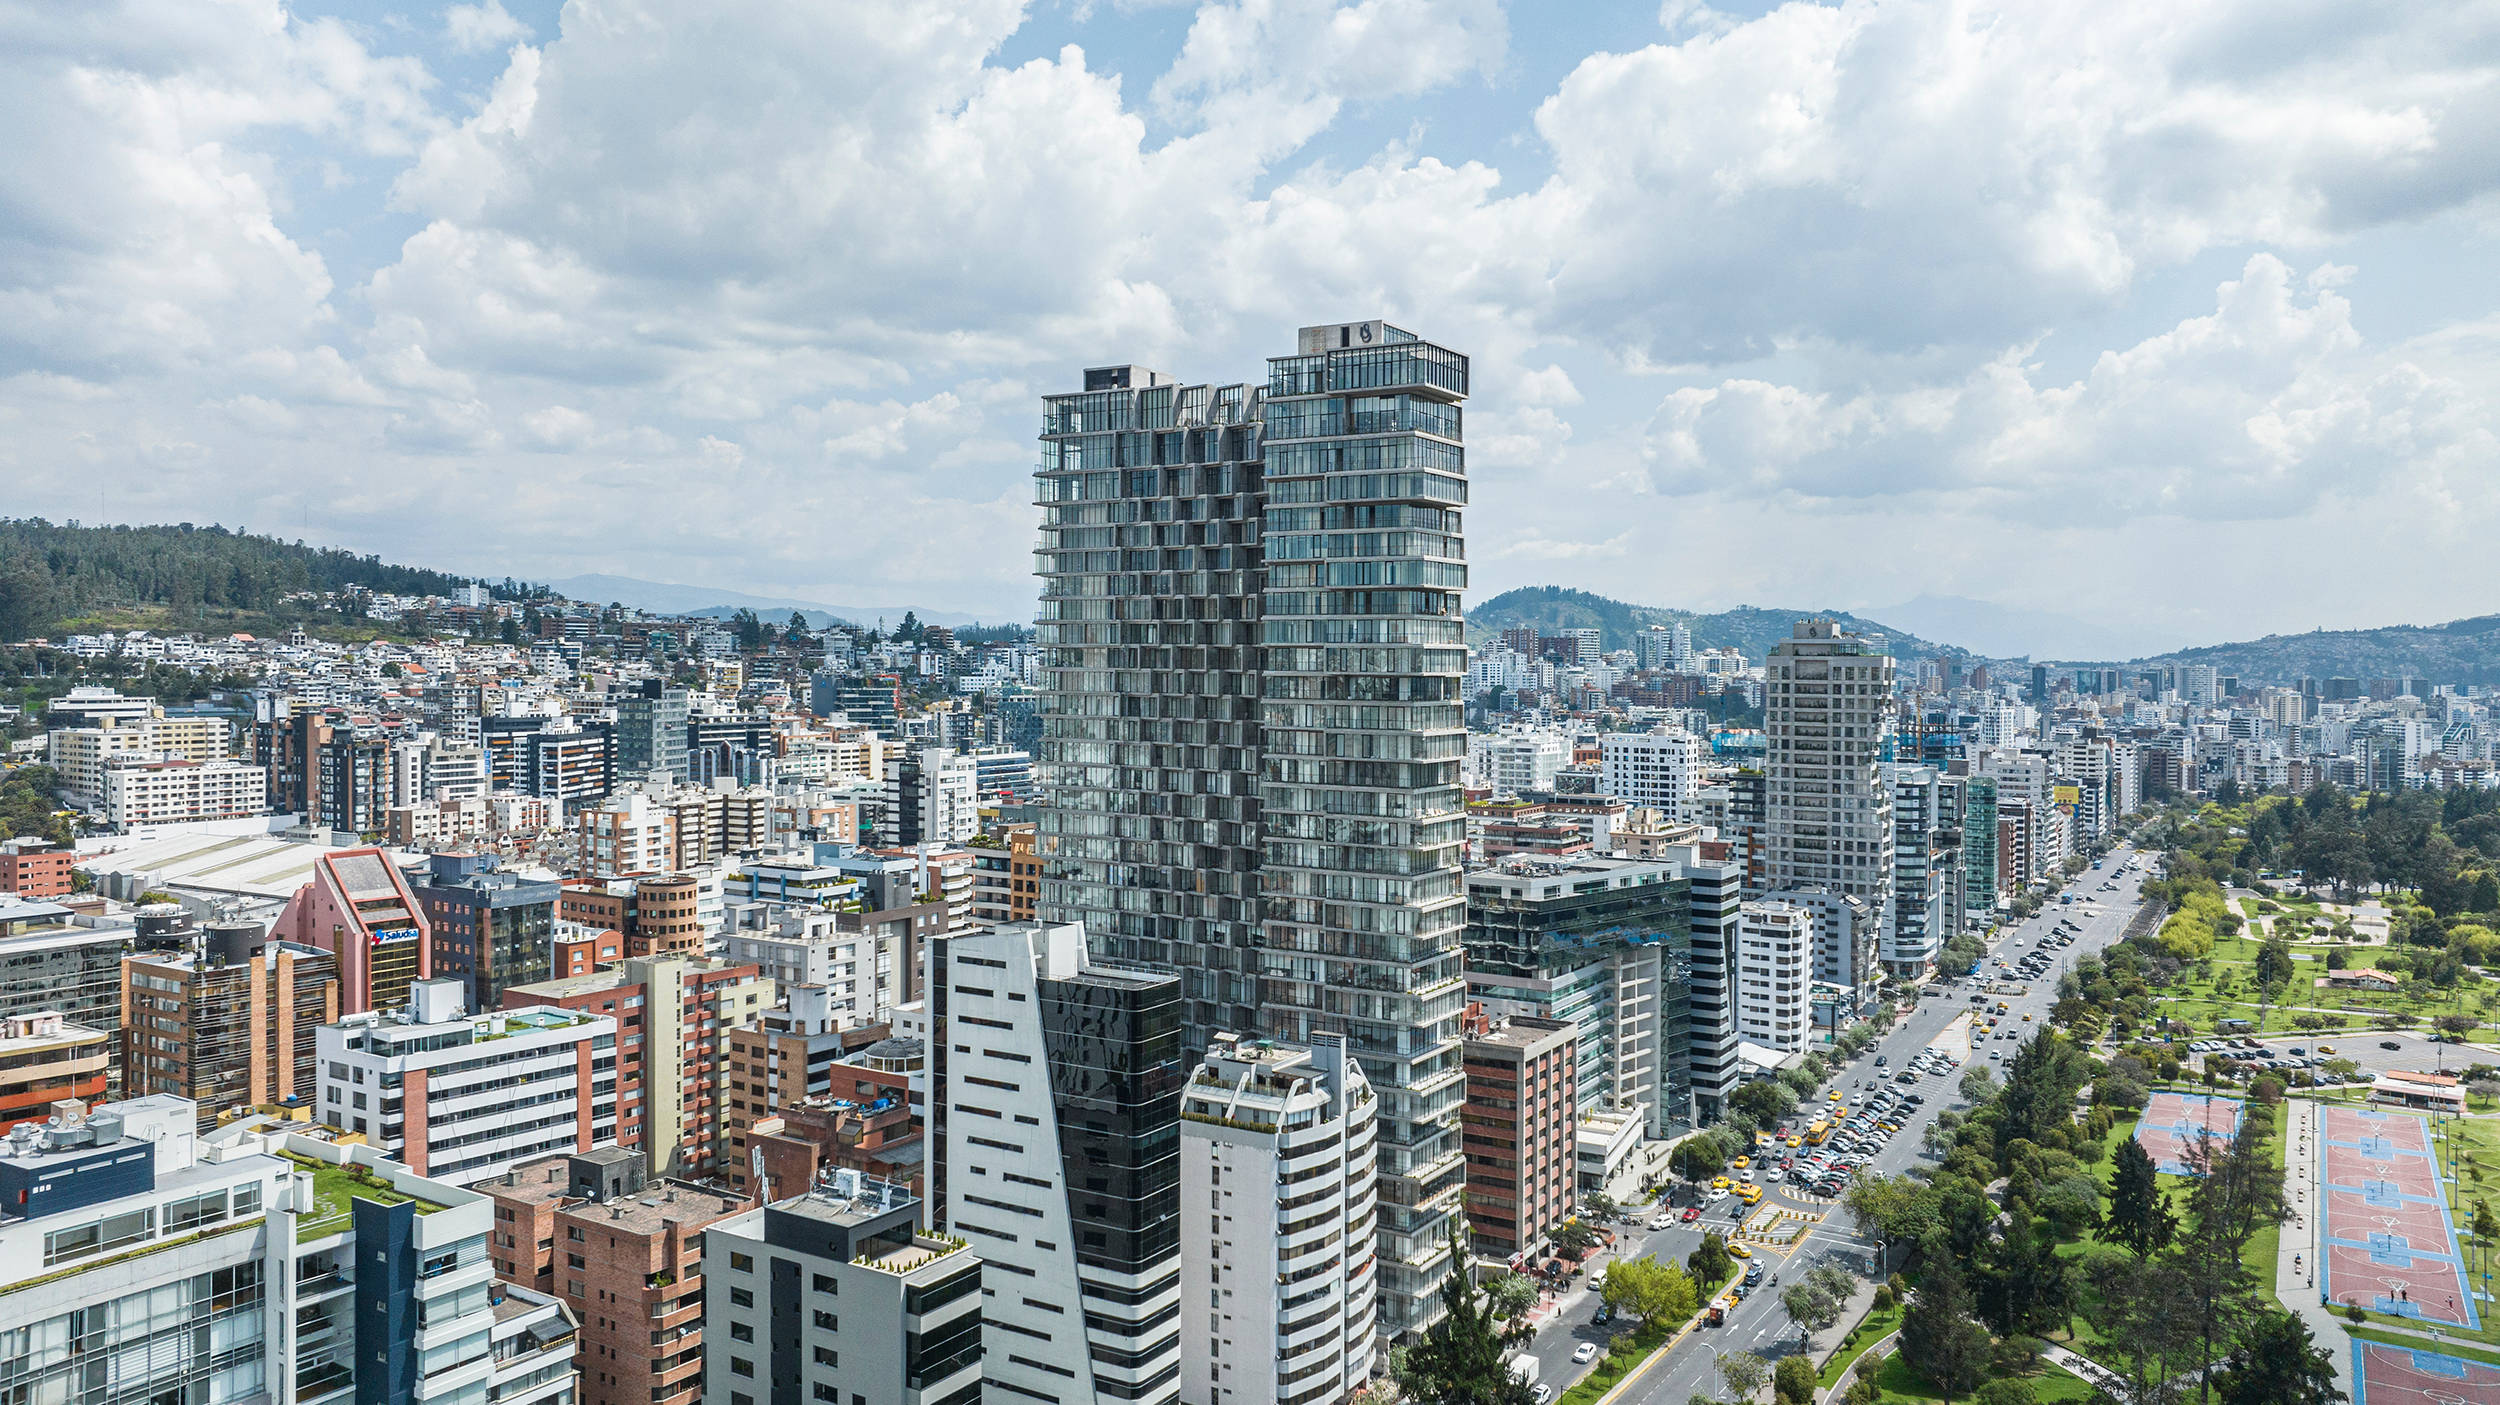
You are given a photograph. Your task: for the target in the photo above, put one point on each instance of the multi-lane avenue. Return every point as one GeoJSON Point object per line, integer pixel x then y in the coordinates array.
{"type": "Point", "coordinates": [1941, 1020]}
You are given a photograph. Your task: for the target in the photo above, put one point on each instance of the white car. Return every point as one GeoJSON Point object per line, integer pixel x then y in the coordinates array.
{"type": "Point", "coordinates": [1663, 1222]}
{"type": "Point", "coordinates": [1585, 1353]}
{"type": "Point", "coordinates": [1775, 1175]}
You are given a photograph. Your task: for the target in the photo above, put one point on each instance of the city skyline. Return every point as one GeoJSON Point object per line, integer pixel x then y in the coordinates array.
{"type": "Point", "coordinates": [359, 271]}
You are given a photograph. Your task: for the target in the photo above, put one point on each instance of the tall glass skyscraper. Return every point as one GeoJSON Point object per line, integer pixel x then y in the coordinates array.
{"type": "Point", "coordinates": [1364, 733]}
{"type": "Point", "coordinates": [1252, 726]}
{"type": "Point", "coordinates": [1149, 709]}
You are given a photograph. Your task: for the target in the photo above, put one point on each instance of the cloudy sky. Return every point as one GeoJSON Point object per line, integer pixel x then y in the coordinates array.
{"type": "Point", "coordinates": [2178, 317]}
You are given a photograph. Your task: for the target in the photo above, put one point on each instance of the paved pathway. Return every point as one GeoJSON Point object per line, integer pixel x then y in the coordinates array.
{"type": "Point", "coordinates": [2297, 1249]}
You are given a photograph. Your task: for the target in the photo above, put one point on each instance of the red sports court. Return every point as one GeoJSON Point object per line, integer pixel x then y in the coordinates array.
{"type": "Point", "coordinates": [2173, 1122]}
{"type": "Point", "coordinates": [2395, 1375]}
{"type": "Point", "coordinates": [2419, 1224]}
{"type": "Point", "coordinates": [2390, 1245]}
{"type": "Point", "coordinates": [2409, 1174]}
{"type": "Point", "coordinates": [2359, 1125]}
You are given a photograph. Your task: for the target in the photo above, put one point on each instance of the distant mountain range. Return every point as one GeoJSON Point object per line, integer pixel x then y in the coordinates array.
{"type": "Point", "coordinates": [1748, 628]}
{"type": "Point", "coordinates": [710, 602]}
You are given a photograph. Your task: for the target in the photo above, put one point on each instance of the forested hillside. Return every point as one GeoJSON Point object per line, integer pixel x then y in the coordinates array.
{"type": "Point", "coordinates": [54, 578]}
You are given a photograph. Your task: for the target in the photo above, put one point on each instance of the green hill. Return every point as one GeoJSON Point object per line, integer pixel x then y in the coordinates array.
{"type": "Point", "coordinates": [57, 579]}
{"type": "Point", "coordinates": [1748, 628]}
{"type": "Point", "coordinates": [2460, 651]}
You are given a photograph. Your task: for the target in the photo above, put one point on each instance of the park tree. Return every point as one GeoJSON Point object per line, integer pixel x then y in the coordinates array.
{"type": "Point", "coordinates": [1793, 1382]}
{"type": "Point", "coordinates": [2276, 1364]}
{"type": "Point", "coordinates": [1939, 1338]}
{"type": "Point", "coordinates": [2011, 1390]}
{"type": "Point", "coordinates": [1710, 1263]}
{"type": "Point", "coordinates": [1765, 1100]}
{"type": "Point", "coordinates": [1511, 1295]}
{"type": "Point", "coordinates": [1809, 1307]}
{"type": "Point", "coordinates": [2138, 1215]}
{"type": "Point", "coordinates": [1459, 1361]}
{"type": "Point", "coordinates": [1744, 1373]}
{"type": "Point", "coordinates": [2026, 1290]}
{"type": "Point", "coordinates": [1649, 1290]}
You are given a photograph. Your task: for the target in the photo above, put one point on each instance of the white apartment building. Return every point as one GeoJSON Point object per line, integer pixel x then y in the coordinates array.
{"type": "Point", "coordinates": [1088, 1282]}
{"type": "Point", "coordinates": [932, 796]}
{"type": "Point", "coordinates": [1660, 769]}
{"type": "Point", "coordinates": [1776, 951]}
{"type": "Point", "coordinates": [627, 834]}
{"type": "Point", "coordinates": [1518, 759]}
{"type": "Point", "coordinates": [1827, 801]}
{"type": "Point", "coordinates": [1277, 1196]}
{"type": "Point", "coordinates": [459, 1097]}
{"type": "Point", "coordinates": [1774, 966]}
{"type": "Point", "coordinates": [141, 789]}
{"type": "Point", "coordinates": [861, 972]}
{"type": "Point", "coordinates": [2199, 685]}
{"type": "Point", "coordinates": [81, 754]}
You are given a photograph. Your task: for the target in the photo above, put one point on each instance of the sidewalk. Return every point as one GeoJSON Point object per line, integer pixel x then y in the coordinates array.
{"type": "Point", "coordinates": [2296, 1252]}
{"type": "Point", "coordinates": [1822, 1344]}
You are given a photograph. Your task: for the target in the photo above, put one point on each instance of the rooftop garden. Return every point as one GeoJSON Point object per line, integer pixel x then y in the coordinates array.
{"type": "Point", "coordinates": [335, 1186]}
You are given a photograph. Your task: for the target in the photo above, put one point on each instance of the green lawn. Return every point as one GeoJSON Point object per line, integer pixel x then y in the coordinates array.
{"type": "Point", "coordinates": [1870, 1329]}
{"type": "Point", "coordinates": [2051, 1382]}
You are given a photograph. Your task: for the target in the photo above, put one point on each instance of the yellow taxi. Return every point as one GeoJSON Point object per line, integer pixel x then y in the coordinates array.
{"type": "Point", "coordinates": [1750, 1194]}
{"type": "Point", "coordinates": [1742, 1162]}
{"type": "Point", "coordinates": [1795, 1141]}
{"type": "Point", "coordinates": [2326, 1048]}
{"type": "Point", "coordinates": [2026, 1017]}
{"type": "Point", "coordinates": [1720, 1183]}
{"type": "Point", "coordinates": [1833, 1097]}
{"type": "Point", "coordinates": [1740, 1251]}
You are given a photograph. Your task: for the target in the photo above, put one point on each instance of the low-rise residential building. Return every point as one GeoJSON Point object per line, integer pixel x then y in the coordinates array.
{"type": "Point", "coordinates": [45, 1059]}
{"type": "Point", "coordinates": [144, 789]}
{"type": "Point", "coordinates": [674, 1017]}
{"type": "Point", "coordinates": [835, 1297]}
{"type": "Point", "coordinates": [35, 868]}
{"type": "Point", "coordinates": [460, 1097]}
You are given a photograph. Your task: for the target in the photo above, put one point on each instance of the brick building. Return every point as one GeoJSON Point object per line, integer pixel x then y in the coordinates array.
{"type": "Point", "coordinates": [626, 1254]}
{"type": "Point", "coordinates": [34, 868]}
{"type": "Point", "coordinates": [1518, 1129]}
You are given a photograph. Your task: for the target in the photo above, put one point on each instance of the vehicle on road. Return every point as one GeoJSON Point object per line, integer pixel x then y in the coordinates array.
{"type": "Point", "coordinates": [1585, 1353]}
